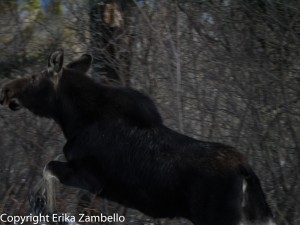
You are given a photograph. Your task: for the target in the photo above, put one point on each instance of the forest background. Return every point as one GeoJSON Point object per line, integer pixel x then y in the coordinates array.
{"type": "Point", "coordinates": [219, 70]}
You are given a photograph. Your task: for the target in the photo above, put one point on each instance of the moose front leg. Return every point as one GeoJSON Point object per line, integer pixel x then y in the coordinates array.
{"type": "Point", "coordinates": [67, 174]}
{"type": "Point", "coordinates": [43, 190]}
{"type": "Point", "coordinates": [37, 198]}
{"type": "Point", "coordinates": [42, 196]}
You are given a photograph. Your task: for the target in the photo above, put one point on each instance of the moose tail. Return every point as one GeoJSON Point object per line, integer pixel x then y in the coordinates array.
{"type": "Point", "coordinates": [255, 208]}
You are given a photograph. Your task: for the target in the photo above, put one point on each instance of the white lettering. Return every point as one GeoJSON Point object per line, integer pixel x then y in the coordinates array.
{"type": "Point", "coordinates": [2, 219]}
{"type": "Point", "coordinates": [81, 219]}
{"type": "Point", "coordinates": [33, 219]}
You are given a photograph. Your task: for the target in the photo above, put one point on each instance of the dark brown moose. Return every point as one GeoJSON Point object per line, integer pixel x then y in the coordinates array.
{"type": "Point", "coordinates": [118, 148]}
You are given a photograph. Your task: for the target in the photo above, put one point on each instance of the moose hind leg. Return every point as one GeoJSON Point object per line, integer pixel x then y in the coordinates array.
{"type": "Point", "coordinates": [217, 203]}
{"type": "Point", "coordinates": [229, 216]}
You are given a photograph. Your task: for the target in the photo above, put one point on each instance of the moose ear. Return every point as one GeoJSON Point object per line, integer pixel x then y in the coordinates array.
{"type": "Point", "coordinates": [55, 61]}
{"type": "Point", "coordinates": [82, 64]}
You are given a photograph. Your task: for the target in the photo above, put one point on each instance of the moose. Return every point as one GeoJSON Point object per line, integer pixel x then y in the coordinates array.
{"type": "Point", "coordinates": [117, 147]}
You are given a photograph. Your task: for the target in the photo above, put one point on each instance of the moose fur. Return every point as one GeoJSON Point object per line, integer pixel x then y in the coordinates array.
{"type": "Point", "coordinates": [118, 147]}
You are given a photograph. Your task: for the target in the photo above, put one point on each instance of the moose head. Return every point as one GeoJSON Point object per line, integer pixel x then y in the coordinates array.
{"type": "Point", "coordinates": [24, 92]}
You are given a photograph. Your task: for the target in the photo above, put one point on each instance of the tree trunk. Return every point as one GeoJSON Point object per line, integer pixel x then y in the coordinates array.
{"type": "Point", "coordinates": [105, 22]}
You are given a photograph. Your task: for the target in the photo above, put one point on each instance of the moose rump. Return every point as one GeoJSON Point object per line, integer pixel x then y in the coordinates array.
{"type": "Point", "coordinates": [118, 147]}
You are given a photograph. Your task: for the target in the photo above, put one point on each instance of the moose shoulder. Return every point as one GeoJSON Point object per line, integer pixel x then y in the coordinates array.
{"type": "Point", "coordinates": [117, 147]}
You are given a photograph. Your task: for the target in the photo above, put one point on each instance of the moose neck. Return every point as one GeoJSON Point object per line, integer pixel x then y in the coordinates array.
{"type": "Point", "coordinates": [69, 119]}
{"type": "Point", "coordinates": [78, 103]}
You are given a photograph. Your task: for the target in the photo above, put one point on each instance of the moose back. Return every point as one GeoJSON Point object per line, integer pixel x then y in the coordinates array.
{"type": "Point", "coordinates": [117, 147]}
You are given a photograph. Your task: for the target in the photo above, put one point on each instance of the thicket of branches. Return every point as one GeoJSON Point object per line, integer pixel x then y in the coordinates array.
{"type": "Point", "coordinates": [223, 71]}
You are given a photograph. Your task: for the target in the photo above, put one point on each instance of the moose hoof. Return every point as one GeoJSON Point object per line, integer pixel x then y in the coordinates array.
{"type": "Point", "coordinates": [38, 203]}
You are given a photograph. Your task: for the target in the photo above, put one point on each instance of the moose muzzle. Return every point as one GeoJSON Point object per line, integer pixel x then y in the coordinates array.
{"type": "Point", "coordinates": [7, 98]}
